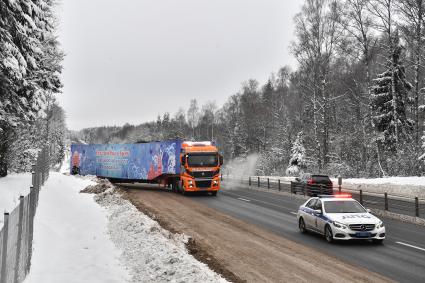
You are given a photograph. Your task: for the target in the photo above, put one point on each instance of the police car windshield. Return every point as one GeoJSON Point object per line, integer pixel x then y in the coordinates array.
{"type": "Point", "coordinates": [343, 206]}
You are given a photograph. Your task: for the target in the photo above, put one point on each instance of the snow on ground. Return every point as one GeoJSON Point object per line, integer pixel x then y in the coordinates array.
{"type": "Point", "coordinates": [399, 186]}
{"type": "Point", "coordinates": [81, 238]}
{"type": "Point", "coordinates": [11, 187]}
{"type": "Point", "coordinates": [71, 243]}
{"type": "Point", "coordinates": [406, 181]}
{"type": "Point", "coordinates": [151, 253]}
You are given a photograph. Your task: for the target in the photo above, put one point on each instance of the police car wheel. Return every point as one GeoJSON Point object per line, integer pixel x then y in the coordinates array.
{"type": "Point", "coordinates": [328, 234]}
{"type": "Point", "coordinates": [301, 225]}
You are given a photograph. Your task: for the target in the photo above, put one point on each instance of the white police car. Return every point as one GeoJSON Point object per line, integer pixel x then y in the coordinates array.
{"type": "Point", "coordinates": [339, 217]}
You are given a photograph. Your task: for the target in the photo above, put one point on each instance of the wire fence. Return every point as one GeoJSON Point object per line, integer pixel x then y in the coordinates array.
{"type": "Point", "coordinates": [17, 232]}
{"type": "Point", "coordinates": [411, 206]}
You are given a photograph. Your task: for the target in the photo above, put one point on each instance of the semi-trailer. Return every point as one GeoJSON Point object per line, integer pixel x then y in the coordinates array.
{"type": "Point", "coordinates": [185, 166]}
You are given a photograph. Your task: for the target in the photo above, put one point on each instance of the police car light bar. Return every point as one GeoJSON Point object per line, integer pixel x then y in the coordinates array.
{"type": "Point", "coordinates": [335, 196]}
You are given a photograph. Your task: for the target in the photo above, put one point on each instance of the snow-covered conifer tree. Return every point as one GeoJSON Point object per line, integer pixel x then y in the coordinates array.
{"type": "Point", "coordinates": [30, 65]}
{"type": "Point", "coordinates": [389, 97]}
{"type": "Point", "coordinates": [297, 163]}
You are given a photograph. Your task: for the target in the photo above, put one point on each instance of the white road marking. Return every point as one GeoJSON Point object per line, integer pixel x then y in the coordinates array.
{"type": "Point", "coordinates": [244, 199]}
{"type": "Point", "coordinates": [411, 246]}
{"type": "Point", "coordinates": [294, 213]}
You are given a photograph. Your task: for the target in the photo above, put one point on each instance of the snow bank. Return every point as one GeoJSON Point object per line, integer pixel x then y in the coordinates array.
{"type": "Point", "coordinates": [403, 181]}
{"type": "Point", "coordinates": [398, 186]}
{"type": "Point", "coordinates": [71, 243]}
{"type": "Point", "coordinates": [151, 253]}
{"type": "Point", "coordinates": [11, 187]}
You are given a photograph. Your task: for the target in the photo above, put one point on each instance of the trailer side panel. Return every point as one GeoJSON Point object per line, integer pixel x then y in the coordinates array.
{"type": "Point", "coordinates": [143, 161]}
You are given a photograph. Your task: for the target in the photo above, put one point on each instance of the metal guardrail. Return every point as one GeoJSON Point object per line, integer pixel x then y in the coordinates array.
{"type": "Point", "coordinates": [16, 234]}
{"type": "Point", "coordinates": [411, 206]}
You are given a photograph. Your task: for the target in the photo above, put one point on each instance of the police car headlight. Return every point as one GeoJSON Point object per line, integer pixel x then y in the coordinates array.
{"type": "Point", "coordinates": [339, 225]}
{"type": "Point", "coordinates": [380, 225]}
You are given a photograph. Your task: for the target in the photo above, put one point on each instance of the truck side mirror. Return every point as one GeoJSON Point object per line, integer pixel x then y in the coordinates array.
{"type": "Point", "coordinates": [220, 159]}
{"type": "Point", "coordinates": [183, 160]}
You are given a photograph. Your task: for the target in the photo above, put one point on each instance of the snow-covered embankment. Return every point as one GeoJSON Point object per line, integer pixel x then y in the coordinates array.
{"type": "Point", "coordinates": [81, 238]}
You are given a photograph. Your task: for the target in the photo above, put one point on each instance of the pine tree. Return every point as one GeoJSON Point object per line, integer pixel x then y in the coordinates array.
{"type": "Point", "coordinates": [389, 96]}
{"type": "Point", "coordinates": [297, 164]}
{"type": "Point", "coordinates": [29, 66]}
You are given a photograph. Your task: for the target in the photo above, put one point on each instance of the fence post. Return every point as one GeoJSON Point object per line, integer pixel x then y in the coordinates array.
{"type": "Point", "coordinates": [339, 183]}
{"type": "Point", "coordinates": [43, 166]}
{"type": "Point", "coordinates": [249, 181]}
{"type": "Point", "coordinates": [258, 181]}
{"type": "Point", "coordinates": [278, 184]}
{"type": "Point", "coordinates": [33, 175]}
{"type": "Point", "coordinates": [19, 241]}
{"type": "Point", "coordinates": [386, 201]}
{"type": "Point", "coordinates": [361, 197]}
{"type": "Point", "coordinates": [3, 270]}
{"type": "Point", "coordinates": [416, 206]}
{"type": "Point", "coordinates": [268, 183]}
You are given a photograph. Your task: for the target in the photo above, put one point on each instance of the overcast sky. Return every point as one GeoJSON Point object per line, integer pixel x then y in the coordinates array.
{"type": "Point", "coordinates": [130, 60]}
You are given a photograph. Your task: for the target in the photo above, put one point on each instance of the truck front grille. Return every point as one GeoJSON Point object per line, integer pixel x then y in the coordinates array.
{"type": "Point", "coordinates": [203, 184]}
{"type": "Point", "coordinates": [203, 174]}
{"type": "Point", "coordinates": [362, 227]}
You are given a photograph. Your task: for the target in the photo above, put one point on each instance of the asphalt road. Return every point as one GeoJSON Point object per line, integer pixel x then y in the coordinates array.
{"type": "Point", "coordinates": [401, 257]}
{"type": "Point", "coordinates": [397, 205]}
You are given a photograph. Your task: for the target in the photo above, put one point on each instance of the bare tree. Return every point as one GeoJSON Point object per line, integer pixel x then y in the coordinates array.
{"type": "Point", "coordinates": [412, 13]}
{"type": "Point", "coordinates": [318, 34]}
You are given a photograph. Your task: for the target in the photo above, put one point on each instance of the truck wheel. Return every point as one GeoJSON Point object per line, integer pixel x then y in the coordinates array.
{"type": "Point", "coordinates": [214, 193]}
{"type": "Point", "coordinates": [178, 187]}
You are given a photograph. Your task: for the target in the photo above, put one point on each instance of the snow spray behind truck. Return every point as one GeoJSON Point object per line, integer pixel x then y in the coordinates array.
{"type": "Point", "coordinates": [184, 165]}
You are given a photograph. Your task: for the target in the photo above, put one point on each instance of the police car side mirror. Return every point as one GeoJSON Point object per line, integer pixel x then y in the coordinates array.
{"type": "Point", "coordinates": [368, 210]}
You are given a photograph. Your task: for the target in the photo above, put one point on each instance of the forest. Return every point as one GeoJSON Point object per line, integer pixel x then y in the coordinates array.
{"type": "Point", "coordinates": [353, 106]}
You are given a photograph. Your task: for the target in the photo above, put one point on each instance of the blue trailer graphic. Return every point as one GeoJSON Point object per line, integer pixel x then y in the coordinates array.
{"type": "Point", "coordinates": [141, 161]}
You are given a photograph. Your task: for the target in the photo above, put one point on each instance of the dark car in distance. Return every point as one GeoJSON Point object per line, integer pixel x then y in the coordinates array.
{"type": "Point", "coordinates": [314, 184]}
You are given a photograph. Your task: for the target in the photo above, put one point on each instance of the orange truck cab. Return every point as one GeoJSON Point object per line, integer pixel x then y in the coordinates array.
{"type": "Point", "coordinates": [200, 167]}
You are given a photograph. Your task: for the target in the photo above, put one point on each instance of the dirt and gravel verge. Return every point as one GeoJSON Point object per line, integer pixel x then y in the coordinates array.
{"type": "Point", "coordinates": [149, 252]}
{"type": "Point", "coordinates": [238, 250]}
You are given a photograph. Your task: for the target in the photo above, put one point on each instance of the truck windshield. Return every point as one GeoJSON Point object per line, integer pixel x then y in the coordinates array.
{"type": "Point", "coordinates": [343, 207]}
{"type": "Point", "coordinates": [202, 160]}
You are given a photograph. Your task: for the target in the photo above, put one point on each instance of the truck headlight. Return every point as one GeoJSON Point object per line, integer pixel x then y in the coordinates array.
{"type": "Point", "coordinates": [380, 225]}
{"type": "Point", "coordinates": [190, 182]}
{"type": "Point", "coordinates": [339, 225]}
{"type": "Point", "coordinates": [215, 183]}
